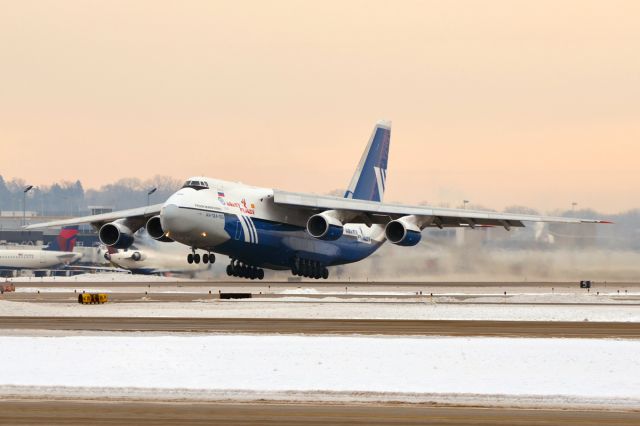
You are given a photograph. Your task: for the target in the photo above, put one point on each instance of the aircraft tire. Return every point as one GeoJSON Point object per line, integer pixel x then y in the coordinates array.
{"type": "Point", "coordinates": [325, 273]}
{"type": "Point", "coordinates": [190, 258]}
{"type": "Point", "coordinates": [229, 270]}
{"type": "Point", "coordinates": [196, 258]}
{"type": "Point", "coordinates": [261, 274]}
{"type": "Point", "coordinates": [205, 258]}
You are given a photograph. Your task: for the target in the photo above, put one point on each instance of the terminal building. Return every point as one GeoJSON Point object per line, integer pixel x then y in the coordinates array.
{"type": "Point", "coordinates": [12, 232]}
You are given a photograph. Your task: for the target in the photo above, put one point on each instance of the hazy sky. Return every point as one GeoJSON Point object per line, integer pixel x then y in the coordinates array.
{"type": "Point", "coordinates": [498, 102]}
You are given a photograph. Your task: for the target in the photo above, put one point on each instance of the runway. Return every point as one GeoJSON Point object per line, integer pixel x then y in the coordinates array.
{"type": "Point", "coordinates": [194, 309]}
{"type": "Point", "coordinates": [333, 286]}
{"type": "Point", "coordinates": [66, 412]}
{"type": "Point", "coordinates": [330, 326]}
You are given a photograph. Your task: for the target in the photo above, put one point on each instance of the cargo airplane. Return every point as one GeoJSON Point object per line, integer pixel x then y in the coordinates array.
{"type": "Point", "coordinates": [304, 233]}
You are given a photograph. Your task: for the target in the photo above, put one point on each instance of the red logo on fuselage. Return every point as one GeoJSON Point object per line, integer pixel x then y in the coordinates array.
{"type": "Point", "coordinates": [243, 206]}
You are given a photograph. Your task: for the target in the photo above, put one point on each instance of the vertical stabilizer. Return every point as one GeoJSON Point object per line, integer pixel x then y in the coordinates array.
{"type": "Point", "coordinates": [370, 178]}
{"type": "Point", "coordinates": [65, 241]}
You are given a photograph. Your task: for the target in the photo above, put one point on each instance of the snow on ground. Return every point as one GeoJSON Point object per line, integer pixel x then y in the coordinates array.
{"type": "Point", "coordinates": [213, 308]}
{"type": "Point", "coordinates": [577, 368]}
{"type": "Point", "coordinates": [477, 296]}
{"type": "Point", "coordinates": [98, 277]}
{"type": "Point", "coordinates": [60, 290]}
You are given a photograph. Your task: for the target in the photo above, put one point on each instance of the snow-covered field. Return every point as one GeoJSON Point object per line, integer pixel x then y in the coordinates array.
{"type": "Point", "coordinates": [556, 369]}
{"type": "Point", "coordinates": [213, 308]}
{"type": "Point", "coordinates": [97, 277]}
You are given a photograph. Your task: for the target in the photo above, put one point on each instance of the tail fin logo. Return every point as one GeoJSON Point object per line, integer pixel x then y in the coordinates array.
{"type": "Point", "coordinates": [381, 177]}
{"type": "Point", "coordinates": [66, 240]}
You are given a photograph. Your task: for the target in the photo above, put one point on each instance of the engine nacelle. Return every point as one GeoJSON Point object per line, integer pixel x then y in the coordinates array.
{"type": "Point", "coordinates": [402, 232]}
{"type": "Point", "coordinates": [116, 234]}
{"type": "Point", "coordinates": [324, 227]}
{"type": "Point", "coordinates": [137, 256]}
{"type": "Point", "coordinates": [155, 231]}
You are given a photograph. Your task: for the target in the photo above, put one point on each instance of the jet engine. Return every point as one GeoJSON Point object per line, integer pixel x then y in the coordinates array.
{"type": "Point", "coordinates": [402, 232]}
{"type": "Point", "coordinates": [116, 234]}
{"type": "Point", "coordinates": [137, 256]}
{"type": "Point", "coordinates": [324, 227]}
{"type": "Point", "coordinates": [155, 231]}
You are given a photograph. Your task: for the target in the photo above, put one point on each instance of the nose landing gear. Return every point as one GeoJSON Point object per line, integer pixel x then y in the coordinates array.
{"type": "Point", "coordinates": [194, 257]}
{"type": "Point", "coordinates": [242, 270]}
{"type": "Point", "coordinates": [309, 268]}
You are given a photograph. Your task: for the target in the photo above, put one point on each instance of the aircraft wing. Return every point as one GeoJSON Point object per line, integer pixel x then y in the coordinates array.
{"type": "Point", "coordinates": [363, 211]}
{"type": "Point", "coordinates": [140, 214]}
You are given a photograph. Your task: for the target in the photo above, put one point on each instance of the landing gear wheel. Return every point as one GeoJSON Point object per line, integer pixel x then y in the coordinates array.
{"type": "Point", "coordinates": [205, 258]}
{"type": "Point", "coordinates": [294, 270]}
{"type": "Point", "coordinates": [325, 273]}
{"type": "Point", "coordinates": [229, 270]}
{"type": "Point", "coordinates": [190, 258]}
{"type": "Point", "coordinates": [260, 274]}
{"type": "Point", "coordinates": [212, 258]}
{"type": "Point", "coordinates": [196, 258]}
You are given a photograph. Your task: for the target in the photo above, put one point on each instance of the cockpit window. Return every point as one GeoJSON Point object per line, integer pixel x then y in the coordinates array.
{"type": "Point", "coordinates": [196, 184]}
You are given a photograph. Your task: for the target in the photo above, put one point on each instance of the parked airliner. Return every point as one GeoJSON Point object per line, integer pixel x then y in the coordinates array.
{"type": "Point", "coordinates": [305, 233]}
{"type": "Point", "coordinates": [59, 252]}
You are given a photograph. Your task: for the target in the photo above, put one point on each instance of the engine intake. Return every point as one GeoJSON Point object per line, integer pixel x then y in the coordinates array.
{"type": "Point", "coordinates": [137, 256]}
{"type": "Point", "coordinates": [116, 234]}
{"type": "Point", "coordinates": [155, 231]}
{"type": "Point", "coordinates": [324, 227]}
{"type": "Point", "coordinates": [402, 233]}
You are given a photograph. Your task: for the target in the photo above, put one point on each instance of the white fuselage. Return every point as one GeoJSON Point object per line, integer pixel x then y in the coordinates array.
{"type": "Point", "coordinates": [35, 259]}
{"type": "Point", "coordinates": [150, 261]}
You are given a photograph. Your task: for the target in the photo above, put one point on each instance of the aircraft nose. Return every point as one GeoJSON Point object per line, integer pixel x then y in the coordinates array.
{"type": "Point", "coordinates": [171, 220]}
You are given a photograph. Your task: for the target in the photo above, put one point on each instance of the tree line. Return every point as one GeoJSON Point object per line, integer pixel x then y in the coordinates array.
{"type": "Point", "coordinates": [71, 199]}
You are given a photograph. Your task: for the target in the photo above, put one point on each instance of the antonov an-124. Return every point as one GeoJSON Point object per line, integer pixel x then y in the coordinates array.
{"type": "Point", "coordinates": [264, 228]}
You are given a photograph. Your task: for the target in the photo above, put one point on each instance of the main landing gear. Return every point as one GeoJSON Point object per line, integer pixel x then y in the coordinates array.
{"type": "Point", "coordinates": [242, 270]}
{"type": "Point", "coordinates": [194, 257]}
{"type": "Point", "coordinates": [309, 268]}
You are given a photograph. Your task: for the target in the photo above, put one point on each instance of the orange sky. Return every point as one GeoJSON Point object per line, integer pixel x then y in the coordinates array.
{"type": "Point", "coordinates": [501, 102]}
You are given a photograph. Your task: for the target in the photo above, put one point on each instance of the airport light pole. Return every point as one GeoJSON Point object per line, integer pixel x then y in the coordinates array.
{"type": "Point", "coordinates": [24, 203]}
{"type": "Point", "coordinates": [151, 191]}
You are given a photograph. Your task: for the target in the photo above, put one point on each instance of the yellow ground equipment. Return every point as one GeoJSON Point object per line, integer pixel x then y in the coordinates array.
{"type": "Point", "coordinates": [92, 298]}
